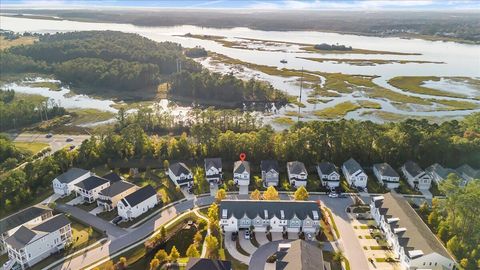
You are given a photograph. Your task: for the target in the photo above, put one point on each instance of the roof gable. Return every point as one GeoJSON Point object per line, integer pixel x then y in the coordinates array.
{"type": "Point", "coordinates": [412, 168]}
{"type": "Point", "coordinates": [269, 165]}
{"type": "Point", "coordinates": [22, 217]}
{"type": "Point", "coordinates": [178, 168]}
{"type": "Point", "coordinates": [327, 168]}
{"type": "Point", "coordinates": [139, 195]}
{"type": "Point", "coordinates": [352, 166]}
{"type": "Point", "coordinates": [213, 162]}
{"type": "Point", "coordinates": [386, 170]}
{"type": "Point", "coordinates": [241, 166]}
{"type": "Point", "coordinates": [269, 209]}
{"type": "Point", "coordinates": [296, 167]}
{"type": "Point", "coordinates": [116, 188]}
{"type": "Point", "coordinates": [71, 175]}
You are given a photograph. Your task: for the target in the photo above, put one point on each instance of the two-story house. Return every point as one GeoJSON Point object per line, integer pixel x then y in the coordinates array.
{"type": "Point", "coordinates": [64, 184]}
{"type": "Point", "coordinates": [412, 242]}
{"type": "Point", "coordinates": [241, 173]}
{"type": "Point", "coordinates": [328, 174]}
{"type": "Point", "coordinates": [28, 216]}
{"type": "Point", "coordinates": [274, 216]}
{"type": "Point", "coordinates": [33, 243]}
{"type": "Point", "coordinates": [467, 174]}
{"type": "Point", "coordinates": [270, 173]}
{"type": "Point", "coordinates": [137, 202]}
{"type": "Point", "coordinates": [110, 196]}
{"type": "Point", "coordinates": [90, 187]}
{"type": "Point", "coordinates": [180, 174]}
{"type": "Point", "coordinates": [438, 173]}
{"type": "Point", "coordinates": [354, 174]}
{"type": "Point", "coordinates": [416, 177]}
{"type": "Point", "coordinates": [213, 170]}
{"type": "Point", "coordinates": [386, 175]}
{"type": "Point", "coordinates": [297, 173]}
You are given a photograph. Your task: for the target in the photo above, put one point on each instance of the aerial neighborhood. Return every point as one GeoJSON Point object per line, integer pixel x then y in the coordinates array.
{"type": "Point", "coordinates": [242, 219]}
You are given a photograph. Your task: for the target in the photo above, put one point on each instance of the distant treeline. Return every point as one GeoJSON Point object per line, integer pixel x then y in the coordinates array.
{"type": "Point", "coordinates": [332, 47]}
{"type": "Point", "coordinates": [129, 62]}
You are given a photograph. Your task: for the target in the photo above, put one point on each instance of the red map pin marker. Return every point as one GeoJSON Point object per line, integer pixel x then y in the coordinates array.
{"type": "Point", "coordinates": [242, 156]}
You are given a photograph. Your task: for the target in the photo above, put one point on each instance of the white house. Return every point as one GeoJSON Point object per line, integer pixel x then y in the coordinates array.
{"type": "Point", "coordinates": [438, 173]}
{"type": "Point", "coordinates": [213, 170]}
{"type": "Point", "coordinates": [241, 173]}
{"type": "Point", "coordinates": [416, 177]}
{"type": "Point", "coordinates": [354, 174]}
{"type": "Point", "coordinates": [180, 174]}
{"type": "Point", "coordinates": [110, 196]}
{"type": "Point", "coordinates": [28, 216]}
{"type": "Point", "coordinates": [31, 244]}
{"type": "Point", "coordinates": [64, 184]}
{"type": "Point", "coordinates": [90, 187]}
{"type": "Point", "coordinates": [137, 203]}
{"type": "Point", "coordinates": [412, 242]}
{"type": "Point", "coordinates": [386, 175]}
{"type": "Point", "coordinates": [329, 175]}
{"type": "Point", "coordinates": [270, 173]}
{"type": "Point", "coordinates": [467, 173]}
{"type": "Point", "coordinates": [274, 216]}
{"type": "Point", "coordinates": [297, 173]}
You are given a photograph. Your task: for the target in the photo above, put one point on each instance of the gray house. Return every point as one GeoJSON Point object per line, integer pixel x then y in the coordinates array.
{"type": "Point", "coordinates": [297, 173]}
{"type": "Point", "coordinates": [213, 170]}
{"type": "Point", "coordinates": [270, 173]}
{"type": "Point", "coordinates": [329, 175]}
{"type": "Point", "coordinates": [438, 173]}
{"type": "Point", "coordinates": [386, 175]}
{"type": "Point", "coordinates": [276, 216]}
{"type": "Point", "coordinates": [468, 173]}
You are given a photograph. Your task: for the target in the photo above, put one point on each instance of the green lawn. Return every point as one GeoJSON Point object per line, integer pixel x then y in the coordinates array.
{"type": "Point", "coordinates": [108, 215]}
{"type": "Point", "coordinates": [33, 147]}
{"type": "Point", "coordinates": [66, 198]}
{"type": "Point", "coordinates": [87, 206]}
{"type": "Point", "coordinates": [374, 186]}
{"type": "Point", "coordinates": [83, 116]}
{"type": "Point", "coordinates": [127, 224]}
{"type": "Point", "coordinates": [405, 188]}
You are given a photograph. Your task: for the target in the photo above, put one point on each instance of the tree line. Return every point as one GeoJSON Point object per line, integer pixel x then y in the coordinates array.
{"type": "Point", "coordinates": [451, 144]}
{"type": "Point", "coordinates": [17, 112]}
{"type": "Point", "coordinates": [456, 219]}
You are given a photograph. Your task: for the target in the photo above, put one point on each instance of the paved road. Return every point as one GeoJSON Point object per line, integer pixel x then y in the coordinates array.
{"type": "Point", "coordinates": [92, 220]}
{"type": "Point", "coordinates": [56, 142]}
{"type": "Point", "coordinates": [348, 240]}
{"type": "Point", "coordinates": [133, 235]}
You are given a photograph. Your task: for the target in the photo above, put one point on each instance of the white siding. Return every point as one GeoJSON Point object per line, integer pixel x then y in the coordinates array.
{"type": "Point", "coordinates": [127, 212]}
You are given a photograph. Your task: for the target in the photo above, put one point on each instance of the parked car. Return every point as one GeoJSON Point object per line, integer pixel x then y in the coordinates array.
{"type": "Point", "coordinates": [190, 190]}
{"type": "Point", "coordinates": [333, 195]}
{"type": "Point", "coordinates": [69, 139]}
{"type": "Point", "coordinates": [342, 195]}
{"type": "Point", "coordinates": [117, 220]}
{"type": "Point", "coordinates": [49, 135]}
{"type": "Point", "coordinates": [247, 235]}
{"type": "Point", "coordinates": [309, 237]}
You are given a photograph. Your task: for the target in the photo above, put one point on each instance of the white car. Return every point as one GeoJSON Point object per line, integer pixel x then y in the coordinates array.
{"type": "Point", "coordinates": [247, 235]}
{"type": "Point", "coordinates": [309, 237]}
{"type": "Point", "coordinates": [333, 195]}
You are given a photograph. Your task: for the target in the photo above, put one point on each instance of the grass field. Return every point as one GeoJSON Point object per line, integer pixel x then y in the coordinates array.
{"type": "Point", "coordinates": [284, 121]}
{"type": "Point", "coordinates": [338, 110]}
{"type": "Point", "coordinates": [367, 62]}
{"type": "Point", "coordinates": [33, 147]}
{"type": "Point", "coordinates": [414, 84]}
{"type": "Point", "coordinates": [5, 43]}
{"type": "Point", "coordinates": [83, 116]}
{"type": "Point", "coordinates": [369, 104]}
{"type": "Point", "coordinates": [53, 86]}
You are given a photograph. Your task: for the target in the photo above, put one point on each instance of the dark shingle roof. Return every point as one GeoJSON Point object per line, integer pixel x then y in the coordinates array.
{"type": "Point", "coordinates": [179, 168]}
{"type": "Point", "coordinates": [207, 264]}
{"type": "Point", "coordinates": [91, 182]}
{"type": "Point", "coordinates": [20, 238]}
{"type": "Point", "coordinates": [139, 196]}
{"type": "Point", "coordinates": [71, 175]}
{"type": "Point", "coordinates": [116, 188]}
{"type": "Point", "coordinates": [417, 236]}
{"type": "Point", "coordinates": [352, 166]}
{"type": "Point", "coordinates": [296, 167]}
{"type": "Point", "coordinates": [386, 170]}
{"type": "Point", "coordinates": [412, 168]}
{"type": "Point", "coordinates": [52, 224]}
{"type": "Point", "coordinates": [267, 165]}
{"type": "Point", "coordinates": [301, 256]}
{"type": "Point", "coordinates": [22, 217]}
{"type": "Point", "coordinates": [252, 209]}
{"type": "Point", "coordinates": [469, 171]}
{"type": "Point", "coordinates": [327, 168]}
{"type": "Point", "coordinates": [213, 162]}
{"type": "Point", "coordinates": [112, 177]}
{"type": "Point", "coordinates": [241, 166]}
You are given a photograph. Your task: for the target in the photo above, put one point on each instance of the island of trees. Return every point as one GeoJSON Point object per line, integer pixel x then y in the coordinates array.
{"type": "Point", "coordinates": [332, 47]}
{"type": "Point", "coordinates": [105, 60]}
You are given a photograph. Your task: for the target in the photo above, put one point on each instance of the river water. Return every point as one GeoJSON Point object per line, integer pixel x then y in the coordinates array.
{"type": "Point", "coordinates": [460, 60]}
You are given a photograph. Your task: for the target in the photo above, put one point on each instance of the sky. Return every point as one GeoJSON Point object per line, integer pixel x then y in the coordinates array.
{"type": "Point", "coordinates": [251, 4]}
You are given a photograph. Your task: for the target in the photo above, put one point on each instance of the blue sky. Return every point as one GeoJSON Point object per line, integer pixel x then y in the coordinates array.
{"type": "Point", "coordinates": [252, 4]}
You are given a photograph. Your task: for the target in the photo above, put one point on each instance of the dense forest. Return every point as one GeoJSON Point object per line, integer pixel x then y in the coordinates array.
{"type": "Point", "coordinates": [17, 112]}
{"type": "Point", "coordinates": [452, 143]}
{"type": "Point", "coordinates": [332, 47]}
{"type": "Point", "coordinates": [207, 85]}
{"type": "Point", "coordinates": [456, 219]}
{"type": "Point", "coordinates": [129, 62]}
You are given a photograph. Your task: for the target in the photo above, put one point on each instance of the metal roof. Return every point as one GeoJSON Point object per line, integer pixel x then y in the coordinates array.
{"type": "Point", "coordinates": [91, 182]}
{"type": "Point", "coordinates": [140, 195]}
